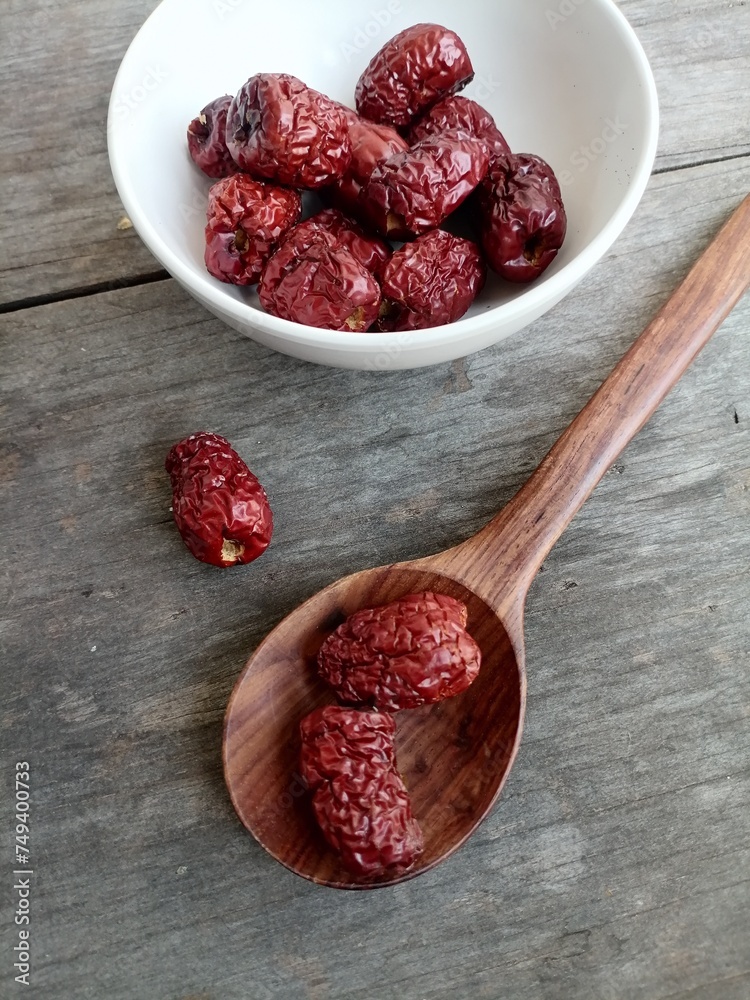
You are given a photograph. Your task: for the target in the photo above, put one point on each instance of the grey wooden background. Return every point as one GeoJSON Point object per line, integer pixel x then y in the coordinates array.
{"type": "Point", "coordinates": [616, 864]}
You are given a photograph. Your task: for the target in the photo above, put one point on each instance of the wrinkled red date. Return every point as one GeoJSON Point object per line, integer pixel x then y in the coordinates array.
{"type": "Point", "coordinates": [411, 72]}
{"type": "Point", "coordinates": [522, 217]}
{"type": "Point", "coordinates": [220, 508]}
{"type": "Point", "coordinates": [247, 219]}
{"type": "Point", "coordinates": [460, 114]}
{"type": "Point", "coordinates": [359, 799]}
{"type": "Point", "coordinates": [321, 284]}
{"type": "Point", "coordinates": [371, 144]}
{"type": "Point", "coordinates": [415, 191]}
{"type": "Point", "coordinates": [430, 282]}
{"type": "Point", "coordinates": [411, 652]}
{"type": "Point", "coordinates": [207, 139]}
{"type": "Point", "coordinates": [369, 250]}
{"type": "Point", "coordinates": [282, 130]}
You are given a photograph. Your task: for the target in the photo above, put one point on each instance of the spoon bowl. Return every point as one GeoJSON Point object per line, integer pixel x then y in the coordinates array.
{"type": "Point", "coordinates": [455, 755]}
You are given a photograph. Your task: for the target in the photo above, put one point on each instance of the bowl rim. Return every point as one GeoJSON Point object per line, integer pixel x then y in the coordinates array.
{"type": "Point", "coordinates": [534, 299]}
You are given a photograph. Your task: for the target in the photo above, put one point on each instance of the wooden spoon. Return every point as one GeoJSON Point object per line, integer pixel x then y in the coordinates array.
{"type": "Point", "coordinates": [456, 755]}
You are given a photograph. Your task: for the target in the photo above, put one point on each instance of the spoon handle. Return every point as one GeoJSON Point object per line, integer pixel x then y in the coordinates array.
{"type": "Point", "coordinates": [502, 559]}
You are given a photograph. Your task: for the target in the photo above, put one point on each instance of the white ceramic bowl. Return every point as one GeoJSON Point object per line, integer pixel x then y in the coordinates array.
{"type": "Point", "coordinates": [566, 79]}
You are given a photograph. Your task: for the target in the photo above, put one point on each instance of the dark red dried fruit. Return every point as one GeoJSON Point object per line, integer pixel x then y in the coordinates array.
{"type": "Point", "coordinates": [369, 250]}
{"type": "Point", "coordinates": [220, 508]}
{"type": "Point", "coordinates": [415, 191]}
{"type": "Point", "coordinates": [522, 217]}
{"type": "Point", "coordinates": [282, 130]}
{"type": "Point", "coordinates": [247, 220]}
{"type": "Point", "coordinates": [359, 799]}
{"type": "Point", "coordinates": [321, 284]}
{"type": "Point", "coordinates": [207, 139]}
{"type": "Point", "coordinates": [371, 144]}
{"type": "Point", "coordinates": [460, 114]}
{"type": "Point", "coordinates": [411, 72]}
{"type": "Point", "coordinates": [411, 652]}
{"type": "Point", "coordinates": [431, 282]}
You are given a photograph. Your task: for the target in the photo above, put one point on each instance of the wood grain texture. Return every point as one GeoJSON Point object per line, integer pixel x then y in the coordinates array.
{"type": "Point", "coordinates": [615, 865]}
{"type": "Point", "coordinates": [61, 209]}
{"type": "Point", "coordinates": [699, 55]}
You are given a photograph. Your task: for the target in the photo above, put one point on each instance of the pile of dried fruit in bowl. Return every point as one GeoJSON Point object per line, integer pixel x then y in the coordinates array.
{"type": "Point", "coordinates": [395, 170]}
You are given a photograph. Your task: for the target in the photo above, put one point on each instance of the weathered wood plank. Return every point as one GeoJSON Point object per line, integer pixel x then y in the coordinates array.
{"type": "Point", "coordinates": [60, 206]}
{"type": "Point", "coordinates": [615, 865]}
{"type": "Point", "coordinates": [700, 58]}
{"type": "Point", "coordinates": [61, 209]}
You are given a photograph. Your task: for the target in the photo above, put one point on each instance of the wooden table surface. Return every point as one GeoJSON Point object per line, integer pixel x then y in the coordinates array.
{"type": "Point", "coordinates": [617, 862]}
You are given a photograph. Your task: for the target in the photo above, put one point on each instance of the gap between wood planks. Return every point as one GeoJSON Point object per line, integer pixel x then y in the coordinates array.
{"type": "Point", "coordinates": [84, 290]}
{"type": "Point", "coordinates": [151, 277]}
{"type": "Point", "coordinates": [699, 163]}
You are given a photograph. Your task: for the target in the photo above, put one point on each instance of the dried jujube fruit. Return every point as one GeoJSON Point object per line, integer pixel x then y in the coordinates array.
{"type": "Point", "coordinates": [414, 191]}
{"type": "Point", "coordinates": [247, 220]}
{"type": "Point", "coordinates": [277, 134]}
{"type": "Point", "coordinates": [207, 139]}
{"type": "Point", "coordinates": [368, 249]}
{"type": "Point", "coordinates": [521, 216]}
{"type": "Point", "coordinates": [321, 284]}
{"type": "Point", "coordinates": [359, 799]}
{"type": "Point", "coordinates": [371, 144]}
{"type": "Point", "coordinates": [430, 282]}
{"type": "Point", "coordinates": [411, 652]}
{"type": "Point", "coordinates": [220, 508]}
{"type": "Point", "coordinates": [282, 130]}
{"type": "Point", "coordinates": [411, 72]}
{"type": "Point", "coordinates": [460, 114]}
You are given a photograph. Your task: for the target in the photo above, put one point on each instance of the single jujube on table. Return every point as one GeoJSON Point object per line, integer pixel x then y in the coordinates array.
{"type": "Point", "coordinates": [397, 168]}
{"type": "Point", "coordinates": [219, 506]}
